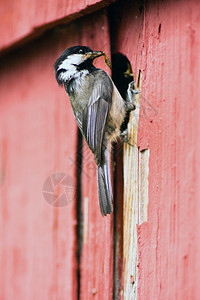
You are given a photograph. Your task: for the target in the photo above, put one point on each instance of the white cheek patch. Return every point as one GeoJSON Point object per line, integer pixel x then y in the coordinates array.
{"type": "Point", "coordinates": [70, 61]}
{"type": "Point", "coordinates": [69, 65]}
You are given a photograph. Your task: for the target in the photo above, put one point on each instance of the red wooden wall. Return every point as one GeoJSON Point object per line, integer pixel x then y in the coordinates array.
{"type": "Point", "coordinates": [38, 137]}
{"type": "Point", "coordinates": [165, 45]}
{"type": "Point", "coordinates": [39, 242]}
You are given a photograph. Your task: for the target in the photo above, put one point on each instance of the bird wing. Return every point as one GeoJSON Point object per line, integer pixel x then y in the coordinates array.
{"type": "Point", "coordinates": [96, 112]}
{"type": "Point", "coordinates": [78, 117]}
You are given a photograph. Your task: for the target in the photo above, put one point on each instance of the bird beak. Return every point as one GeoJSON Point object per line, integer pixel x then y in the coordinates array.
{"type": "Point", "coordinates": [94, 54]}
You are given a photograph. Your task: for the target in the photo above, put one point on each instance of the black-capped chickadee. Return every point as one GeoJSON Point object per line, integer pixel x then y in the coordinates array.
{"type": "Point", "coordinates": [98, 108]}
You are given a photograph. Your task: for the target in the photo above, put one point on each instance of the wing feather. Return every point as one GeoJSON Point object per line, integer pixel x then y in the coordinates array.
{"type": "Point", "coordinates": [95, 114]}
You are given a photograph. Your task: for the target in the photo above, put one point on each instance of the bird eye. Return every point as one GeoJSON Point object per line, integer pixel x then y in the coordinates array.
{"type": "Point", "coordinates": [81, 51]}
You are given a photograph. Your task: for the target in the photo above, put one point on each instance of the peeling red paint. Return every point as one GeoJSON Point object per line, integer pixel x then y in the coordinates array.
{"type": "Point", "coordinates": [165, 46]}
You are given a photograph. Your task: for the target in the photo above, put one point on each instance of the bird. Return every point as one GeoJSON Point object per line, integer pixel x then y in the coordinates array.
{"type": "Point", "coordinates": [98, 107]}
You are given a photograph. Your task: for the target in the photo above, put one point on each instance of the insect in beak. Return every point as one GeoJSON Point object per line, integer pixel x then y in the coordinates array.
{"type": "Point", "coordinates": [96, 54]}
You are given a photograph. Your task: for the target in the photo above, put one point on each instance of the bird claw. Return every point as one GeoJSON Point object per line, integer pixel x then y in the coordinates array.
{"type": "Point", "coordinates": [124, 137]}
{"type": "Point", "coordinates": [131, 92]}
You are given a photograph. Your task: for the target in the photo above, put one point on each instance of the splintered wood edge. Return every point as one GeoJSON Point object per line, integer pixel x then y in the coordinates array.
{"type": "Point", "coordinates": [131, 207]}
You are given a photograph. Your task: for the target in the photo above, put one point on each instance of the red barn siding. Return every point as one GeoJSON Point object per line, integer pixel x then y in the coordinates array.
{"type": "Point", "coordinates": [37, 142]}
{"type": "Point", "coordinates": [169, 242]}
{"type": "Point", "coordinates": [97, 251]}
{"type": "Point", "coordinates": [21, 19]}
{"type": "Point", "coordinates": [37, 258]}
{"type": "Point", "coordinates": [38, 137]}
{"type": "Point", "coordinates": [166, 47]}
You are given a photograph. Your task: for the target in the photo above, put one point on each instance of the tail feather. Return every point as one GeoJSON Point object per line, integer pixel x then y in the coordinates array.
{"type": "Point", "coordinates": [104, 189]}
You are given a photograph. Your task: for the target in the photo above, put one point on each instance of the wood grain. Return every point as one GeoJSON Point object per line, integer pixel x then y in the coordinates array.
{"type": "Point", "coordinates": [38, 137]}
{"type": "Point", "coordinates": [97, 248]}
{"type": "Point", "coordinates": [22, 20]}
{"type": "Point", "coordinates": [162, 40]}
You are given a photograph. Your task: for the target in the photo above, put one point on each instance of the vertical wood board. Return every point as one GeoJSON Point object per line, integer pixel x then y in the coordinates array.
{"type": "Point", "coordinates": [164, 43]}
{"type": "Point", "coordinates": [37, 139]}
{"type": "Point", "coordinates": [169, 241]}
{"type": "Point", "coordinates": [97, 247]}
{"type": "Point", "coordinates": [23, 19]}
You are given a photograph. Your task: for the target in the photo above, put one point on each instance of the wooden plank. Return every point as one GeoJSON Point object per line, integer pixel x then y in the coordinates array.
{"type": "Point", "coordinates": [123, 22]}
{"type": "Point", "coordinates": [97, 247]}
{"type": "Point", "coordinates": [143, 185]}
{"type": "Point", "coordinates": [22, 20]}
{"type": "Point", "coordinates": [164, 44]}
{"type": "Point", "coordinates": [118, 221]}
{"type": "Point", "coordinates": [43, 127]}
{"type": "Point", "coordinates": [169, 245]}
{"type": "Point", "coordinates": [37, 138]}
{"type": "Point", "coordinates": [131, 162]}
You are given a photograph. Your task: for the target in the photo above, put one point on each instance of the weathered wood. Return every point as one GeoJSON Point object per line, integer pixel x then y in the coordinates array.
{"type": "Point", "coordinates": [164, 44]}
{"type": "Point", "coordinates": [143, 185]}
{"type": "Point", "coordinates": [37, 138]}
{"type": "Point", "coordinates": [127, 46]}
{"type": "Point", "coordinates": [118, 221]}
{"type": "Point", "coordinates": [131, 196]}
{"type": "Point", "coordinates": [97, 248]}
{"type": "Point", "coordinates": [23, 20]}
{"type": "Point", "coordinates": [169, 245]}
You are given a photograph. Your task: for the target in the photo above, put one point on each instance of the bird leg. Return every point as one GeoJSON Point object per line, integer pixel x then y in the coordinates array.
{"type": "Point", "coordinates": [131, 92]}
{"type": "Point", "coordinates": [131, 105]}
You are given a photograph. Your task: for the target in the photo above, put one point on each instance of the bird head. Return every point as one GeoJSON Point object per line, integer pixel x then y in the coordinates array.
{"type": "Point", "coordinates": [74, 60]}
